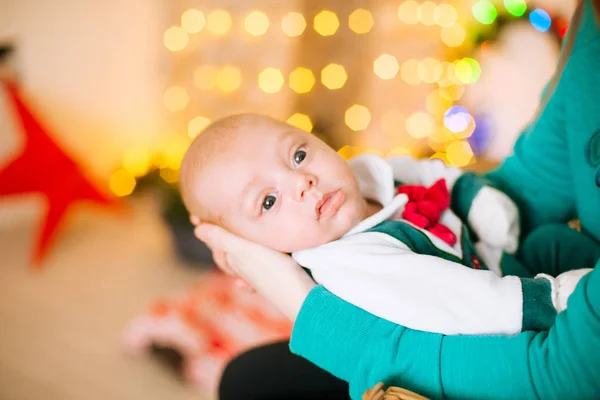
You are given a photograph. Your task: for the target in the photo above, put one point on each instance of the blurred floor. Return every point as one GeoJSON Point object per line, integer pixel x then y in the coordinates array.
{"type": "Point", "coordinates": [60, 327]}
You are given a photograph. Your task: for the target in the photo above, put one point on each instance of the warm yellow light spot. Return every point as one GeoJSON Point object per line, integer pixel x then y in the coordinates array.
{"type": "Point", "coordinates": [360, 21]}
{"type": "Point", "coordinates": [467, 70]}
{"type": "Point", "coordinates": [205, 77]}
{"type": "Point", "coordinates": [219, 22]}
{"type": "Point", "coordinates": [196, 125]}
{"type": "Point", "coordinates": [372, 150]}
{"type": "Point", "coordinates": [333, 76]}
{"type": "Point", "coordinates": [436, 104]}
{"type": "Point", "coordinates": [357, 117]}
{"type": "Point", "coordinates": [169, 175]}
{"type": "Point", "coordinates": [256, 23]}
{"type": "Point", "coordinates": [452, 93]}
{"type": "Point", "coordinates": [193, 20]}
{"type": "Point", "coordinates": [136, 161]}
{"type": "Point", "coordinates": [439, 137]}
{"type": "Point", "coordinates": [425, 13]}
{"type": "Point", "coordinates": [175, 38]}
{"type": "Point", "coordinates": [409, 72]}
{"type": "Point", "coordinates": [407, 12]}
{"type": "Point", "coordinates": [270, 80]}
{"type": "Point", "coordinates": [175, 151]}
{"type": "Point", "coordinates": [386, 66]}
{"type": "Point", "coordinates": [301, 80]}
{"type": "Point", "coordinates": [445, 15]}
{"type": "Point", "coordinates": [439, 155]}
{"type": "Point", "coordinates": [459, 153]}
{"type": "Point", "coordinates": [293, 24]}
{"type": "Point", "coordinates": [229, 78]}
{"type": "Point", "coordinates": [326, 23]}
{"type": "Point", "coordinates": [420, 125]}
{"type": "Point", "coordinates": [176, 98]}
{"type": "Point", "coordinates": [348, 152]}
{"type": "Point", "coordinates": [121, 183]}
{"type": "Point", "coordinates": [159, 160]}
{"type": "Point", "coordinates": [300, 121]}
{"type": "Point", "coordinates": [393, 123]}
{"type": "Point", "coordinates": [430, 70]}
{"type": "Point", "coordinates": [454, 35]}
{"type": "Point", "coordinates": [399, 151]}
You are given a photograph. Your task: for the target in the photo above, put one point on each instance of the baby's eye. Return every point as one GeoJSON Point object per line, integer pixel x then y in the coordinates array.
{"type": "Point", "coordinates": [299, 156]}
{"type": "Point", "coordinates": [269, 202]}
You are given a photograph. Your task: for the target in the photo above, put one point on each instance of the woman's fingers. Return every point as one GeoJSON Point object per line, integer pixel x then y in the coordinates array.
{"type": "Point", "coordinates": [194, 220]}
{"type": "Point", "coordinates": [220, 258]}
{"type": "Point", "coordinates": [218, 238]}
{"type": "Point", "coordinates": [242, 284]}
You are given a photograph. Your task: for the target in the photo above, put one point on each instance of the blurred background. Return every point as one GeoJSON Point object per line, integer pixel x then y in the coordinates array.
{"type": "Point", "coordinates": [104, 291]}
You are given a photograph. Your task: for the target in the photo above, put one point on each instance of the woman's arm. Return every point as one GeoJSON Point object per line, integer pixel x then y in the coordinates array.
{"type": "Point", "coordinates": [363, 350]}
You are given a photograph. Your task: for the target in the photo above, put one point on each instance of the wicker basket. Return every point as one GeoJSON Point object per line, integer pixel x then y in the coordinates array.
{"type": "Point", "coordinates": [377, 392]}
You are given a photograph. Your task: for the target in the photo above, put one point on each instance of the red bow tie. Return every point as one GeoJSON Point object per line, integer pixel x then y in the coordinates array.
{"type": "Point", "coordinates": [425, 206]}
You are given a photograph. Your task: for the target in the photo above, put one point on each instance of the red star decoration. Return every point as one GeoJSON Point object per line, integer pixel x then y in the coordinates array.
{"type": "Point", "coordinates": [45, 168]}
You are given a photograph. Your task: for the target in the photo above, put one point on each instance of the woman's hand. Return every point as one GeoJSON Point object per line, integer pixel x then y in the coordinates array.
{"type": "Point", "coordinates": [273, 274]}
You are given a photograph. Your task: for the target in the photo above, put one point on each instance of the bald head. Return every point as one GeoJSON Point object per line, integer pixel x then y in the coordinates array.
{"type": "Point", "coordinates": [218, 138]}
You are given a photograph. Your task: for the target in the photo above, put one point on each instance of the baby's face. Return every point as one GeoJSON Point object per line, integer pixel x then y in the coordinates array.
{"type": "Point", "coordinates": [283, 188]}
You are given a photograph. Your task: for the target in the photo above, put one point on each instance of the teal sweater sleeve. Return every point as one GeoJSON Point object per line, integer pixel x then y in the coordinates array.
{"type": "Point", "coordinates": [362, 349]}
{"type": "Point", "coordinates": [539, 175]}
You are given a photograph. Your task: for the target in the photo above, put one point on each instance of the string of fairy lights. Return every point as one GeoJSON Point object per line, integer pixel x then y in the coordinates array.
{"type": "Point", "coordinates": [451, 77]}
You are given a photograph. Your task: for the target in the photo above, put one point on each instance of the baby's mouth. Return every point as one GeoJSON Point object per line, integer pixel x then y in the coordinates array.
{"type": "Point", "coordinates": [329, 204]}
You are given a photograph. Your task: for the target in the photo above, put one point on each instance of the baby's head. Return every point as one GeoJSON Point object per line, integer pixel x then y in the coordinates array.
{"type": "Point", "coordinates": [271, 183]}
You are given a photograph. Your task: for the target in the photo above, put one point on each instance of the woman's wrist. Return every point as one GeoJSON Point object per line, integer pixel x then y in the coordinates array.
{"type": "Point", "coordinates": [295, 295]}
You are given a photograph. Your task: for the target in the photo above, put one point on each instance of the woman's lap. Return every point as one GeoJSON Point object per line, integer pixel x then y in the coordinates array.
{"type": "Point", "coordinates": [273, 372]}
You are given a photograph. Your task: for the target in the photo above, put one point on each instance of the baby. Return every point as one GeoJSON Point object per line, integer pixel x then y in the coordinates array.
{"type": "Point", "coordinates": [377, 233]}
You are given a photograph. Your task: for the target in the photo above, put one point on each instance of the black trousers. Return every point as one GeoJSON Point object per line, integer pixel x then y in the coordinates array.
{"type": "Point", "coordinates": [272, 372]}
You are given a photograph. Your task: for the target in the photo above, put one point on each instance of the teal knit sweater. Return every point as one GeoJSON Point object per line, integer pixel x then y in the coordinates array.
{"type": "Point", "coordinates": [554, 176]}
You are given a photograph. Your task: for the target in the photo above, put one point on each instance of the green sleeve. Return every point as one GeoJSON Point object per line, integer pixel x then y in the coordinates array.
{"type": "Point", "coordinates": [363, 350]}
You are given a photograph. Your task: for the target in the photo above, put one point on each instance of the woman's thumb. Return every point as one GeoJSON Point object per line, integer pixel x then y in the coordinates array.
{"type": "Point", "coordinates": [216, 237]}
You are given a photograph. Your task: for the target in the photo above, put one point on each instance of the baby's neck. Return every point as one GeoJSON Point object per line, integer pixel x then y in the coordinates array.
{"type": "Point", "coordinates": [370, 207]}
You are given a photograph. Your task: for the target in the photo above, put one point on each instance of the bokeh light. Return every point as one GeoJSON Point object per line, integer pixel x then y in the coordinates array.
{"type": "Point", "coordinates": [196, 125]}
{"type": "Point", "coordinates": [393, 123]}
{"type": "Point", "coordinates": [357, 117]}
{"type": "Point", "coordinates": [205, 77]}
{"type": "Point", "coordinates": [445, 15]}
{"type": "Point", "coordinates": [459, 153]}
{"type": "Point", "coordinates": [137, 161]}
{"type": "Point", "coordinates": [293, 24]}
{"type": "Point", "coordinates": [515, 7]}
{"type": "Point", "coordinates": [467, 70]}
{"type": "Point", "coordinates": [229, 78]}
{"type": "Point", "coordinates": [360, 21]}
{"type": "Point", "coordinates": [420, 125]}
{"type": "Point", "coordinates": [301, 80]}
{"type": "Point", "coordinates": [169, 175]}
{"type": "Point", "coordinates": [408, 12]}
{"type": "Point", "coordinates": [256, 23]}
{"type": "Point", "coordinates": [430, 70]}
{"type": "Point", "coordinates": [176, 98]}
{"type": "Point", "coordinates": [484, 12]}
{"type": "Point", "coordinates": [300, 121]}
{"type": "Point", "coordinates": [193, 20]}
{"type": "Point", "coordinates": [436, 104]}
{"type": "Point", "coordinates": [175, 38]}
{"type": "Point", "coordinates": [218, 22]}
{"type": "Point", "coordinates": [409, 72]}
{"type": "Point", "coordinates": [348, 151]}
{"type": "Point", "coordinates": [425, 13]}
{"type": "Point", "coordinates": [457, 119]}
{"type": "Point", "coordinates": [453, 36]}
{"type": "Point", "coordinates": [333, 76]}
{"type": "Point", "coordinates": [174, 152]}
{"type": "Point", "coordinates": [540, 20]}
{"type": "Point", "coordinates": [121, 183]}
{"type": "Point", "coordinates": [452, 92]}
{"type": "Point", "coordinates": [270, 80]}
{"type": "Point", "coordinates": [386, 66]}
{"type": "Point", "coordinates": [326, 23]}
